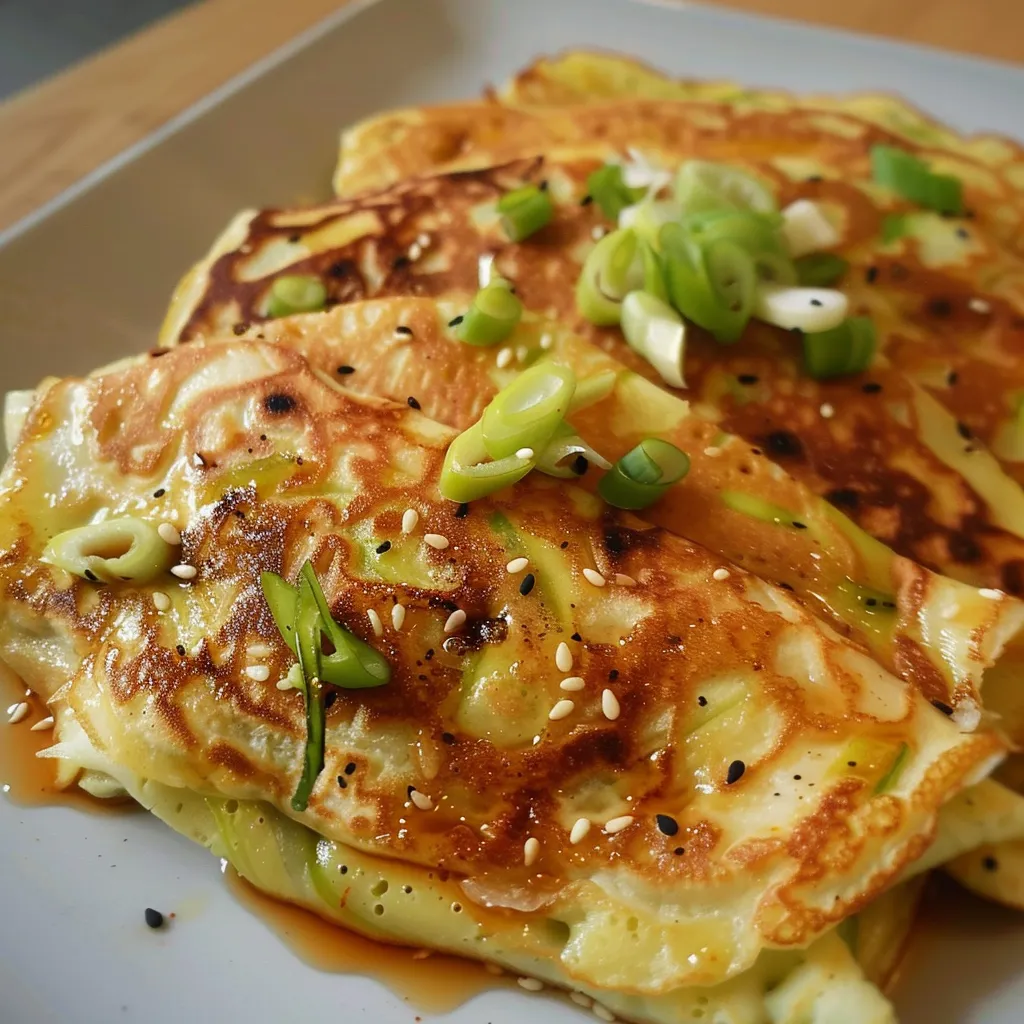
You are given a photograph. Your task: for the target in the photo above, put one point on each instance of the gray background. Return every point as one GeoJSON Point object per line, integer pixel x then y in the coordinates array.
{"type": "Point", "coordinates": [40, 37]}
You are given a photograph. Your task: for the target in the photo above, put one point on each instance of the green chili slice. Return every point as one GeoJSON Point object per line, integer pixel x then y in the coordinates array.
{"type": "Point", "coordinates": [644, 474]}
{"type": "Point", "coordinates": [846, 349]}
{"type": "Point", "coordinates": [610, 192]}
{"type": "Point", "coordinates": [296, 293]}
{"type": "Point", "coordinates": [492, 317]}
{"type": "Point", "coordinates": [525, 211]}
{"type": "Point", "coordinates": [910, 178]}
{"type": "Point", "coordinates": [820, 269]}
{"type": "Point", "coordinates": [527, 412]}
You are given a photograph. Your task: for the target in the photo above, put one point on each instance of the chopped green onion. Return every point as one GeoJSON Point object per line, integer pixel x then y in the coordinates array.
{"type": "Point", "coordinates": [701, 185]}
{"type": "Point", "coordinates": [654, 272]}
{"type": "Point", "coordinates": [842, 350]}
{"type": "Point", "coordinates": [894, 227]}
{"type": "Point", "coordinates": [114, 551]}
{"type": "Point", "coordinates": [800, 309]}
{"type": "Point", "coordinates": [820, 269]}
{"type": "Point", "coordinates": [591, 390]}
{"type": "Point", "coordinates": [610, 192]}
{"type": "Point", "coordinates": [892, 776]}
{"type": "Point", "coordinates": [296, 293]}
{"type": "Point", "coordinates": [612, 270]}
{"type": "Point", "coordinates": [644, 474]}
{"type": "Point", "coordinates": [805, 228]}
{"type": "Point", "coordinates": [469, 473]}
{"type": "Point", "coordinates": [492, 317]}
{"type": "Point", "coordinates": [910, 178]}
{"type": "Point", "coordinates": [527, 412]}
{"type": "Point", "coordinates": [713, 286]}
{"type": "Point", "coordinates": [756, 233]}
{"type": "Point", "coordinates": [648, 217]}
{"type": "Point", "coordinates": [307, 638]}
{"type": "Point", "coordinates": [525, 211]}
{"type": "Point", "coordinates": [657, 332]}
{"type": "Point", "coordinates": [562, 455]}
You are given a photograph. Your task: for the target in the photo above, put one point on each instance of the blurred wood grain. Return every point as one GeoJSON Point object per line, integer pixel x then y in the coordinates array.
{"type": "Point", "coordinates": [58, 131]}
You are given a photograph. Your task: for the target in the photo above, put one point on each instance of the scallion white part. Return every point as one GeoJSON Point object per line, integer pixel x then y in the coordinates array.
{"type": "Point", "coordinates": [803, 309]}
{"type": "Point", "coordinates": [657, 332]}
{"type": "Point", "coordinates": [806, 229]}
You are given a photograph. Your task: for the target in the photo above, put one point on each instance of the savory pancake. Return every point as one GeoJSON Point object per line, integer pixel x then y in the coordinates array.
{"type": "Point", "coordinates": [723, 776]}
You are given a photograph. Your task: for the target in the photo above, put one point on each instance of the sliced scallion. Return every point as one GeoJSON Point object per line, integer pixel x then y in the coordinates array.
{"type": "Point", "coordinates": [654, 272]}
{"type": "Point", "coordinates": [803, 309]}
{"type": "Point", "coordinates": [843, 350]}
{"type": "Point", "coordinates": [805, 228]}
{"type": "Point", "coordinates": [610, 192]}
{"type": "Point", "coordinates": [892, 776]}
{"type": "Point", "coordinates": [656, 331]}
{"type": "Point", "coordinates": [644, 474]}
{"type": "Point", "coordinates": [307, 639]}
{"type": "Point", "coordinates": [296, 293]}
{"type": "Point", "coordinates": [562, 455]}
{"type": "Point", "coordinates": [910, 178]}
{"type": "Point", "coordinates": [527, 412]}
{"type": "Point", "coordinates": [525, 211]}
{"type": "Point", "coordinates": [470, 473]}
{"type": "Point", "coordinates": [612, 269]}
{"type": "Point", "coordinates": [648, 217]}
{"type": "Point", "coordinates": [114, 551]}
{"type": "Point", "coordinates": [702, 185]}
{"type": "Point", "coordinates": [492, 317]}
{"type": "Point", "coordinates": [820, 269]}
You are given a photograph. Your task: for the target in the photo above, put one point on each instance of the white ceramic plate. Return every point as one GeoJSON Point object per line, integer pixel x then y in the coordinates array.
{"type": "Point", "coordinates": [86, 280]}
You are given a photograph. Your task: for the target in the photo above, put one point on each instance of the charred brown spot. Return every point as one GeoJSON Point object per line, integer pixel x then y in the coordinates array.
{"type": "Point", "coordinates": [475, 634]}
{"type": "Point", "coordinates": [844, 497]}
{"type": "Point", "coordinates": [1013, 578]}
{"type": "Point", "coordinates": [964, 548]}
{"type": "Point", "coordinates": [784, 444]}
{"type": "Point", "coordinates": [279, 403]}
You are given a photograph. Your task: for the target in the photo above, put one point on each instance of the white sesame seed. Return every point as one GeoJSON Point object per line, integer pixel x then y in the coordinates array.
{"type": "Point", "coordinates": [493, 969]}
{"type": "Point", "coordinates": [712, 451]}
{"type": "Point", "coordinates": [259, 673]}
{"type": "Point", "coordinates": [423, 239]}
{"type": "Point", "coordinates": [43, 724]}
{"type": "Point", "coordinates": [720, 574]}
{"type": "Point", "coordinates": [410, 519]}
{"type": "Point", "coordinates": [603, 1013]}
{"type": "Point", "coordinates": [398, 615]}
{"type": "Point", "coordinates": [622, 580]}
{"type": "Point", "coordinates": [579, 831]}
{"type": "Point", "coordinates": [597, 232]}
{"type": "Point", "coordinates": [421, 800]}
{"type": "Point", "coordinates": [456, 620]}
{"type": "Point", "coordinates": [610, 705]}
{"type": "Point", "coordinates": [618, 824]}
{"type": "Point", "coordinates": [517, 565]}
{"type": "Point", "coordinates": [524, 453]}
{"type": "Point", "coordinates": [16, 712]}
{"type": "Point", "coordinates": [593, 576]}
{"type": "Point", "coordinates": [563, 657]}
{"type": "Point", "coordinates": [161, 601]}
{"type": "Point", "coordinates": [184, 572]}
{"type": "Point", "coordinates": [991, 594]}
{"type": "Point", "coordinates": [573, 683]}
{"type": "Point", "coordinates": [415, 251]}
{"type": "Point", "coordinates": [546, 341]}
{"type": "Point", "coordinates": [169, 533]}
{"type": "Point", "coordinates": [531, 851]}
{"type": "Point", "coordinates": [581, 1000]}
{"type": "Point", "coordinates": [827, 410]}
{"type": "Point", "coordinates": [436, 540]}
{"type": "Point", "coordinates": [375, 623]}
{"type": "Point", "coordinates": [563, 709]}
{"type": "Point", "coordinates": [530, 984]}
{"type": "Point", "coordinates": [504, 357]}
{"type": "Point", "coordinates": [979, 306]}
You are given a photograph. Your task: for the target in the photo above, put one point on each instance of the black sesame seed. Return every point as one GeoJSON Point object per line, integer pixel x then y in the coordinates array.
{"type": "Point", "coordinates": [564, 544]}
{"type": "Point", "coordinates": [580, 465]}
{"type": "Point", "coordinates": [990, 863]}
{"type": "Point", "coordinates": [797, 778]}
{"type": "Point", "coordinates": [964, 431]}
{"type": "Point", "coordinates": [527, 585]}
{"type": "Point", "coordinates": [350, 768]}
{"type": "Point", "coordinates": [871, 275]}
{"type": "Point", "coordinates": [679, 851]}
{"type": "Point", "coordinates": [279, 403]}
{"type": "Point", "coordinates": [400, 262]}
{"type": "Point", "coordinates": [871, 387]}
{"type": "Point", "coordinates": [181, 650]}
{"type": "Point", "coordinates": [942, 706]}
{"type": "Point", "coordinates": [412, 402]}
{"type": "Point", "coordinates": [385, 546]}
{"type": "Point", "coordinates": [852, 764]}
{"type": "Point", "coordinates": [154, 918]}
{"type": "Point", "coordinates": [402, 329]}
{"type": "Point", "coordinates": [666, 825]}
{"type": "Point", "coordinates": [577, 638]}
{"type": "Point", "coordinates": [240, 329]}
{"type": "Point", "coordinates": [747, 378]}
{"type": "Point", "coordinates": [462, 511]}
{"type": "Point", "coordinates": [614, 674]}
{"type": "Point", "coordinates": [815, 302]}
{"type": "Point", "coordinates": [962, 233]}
{"type": "Point", "coordinates": [342, 782]}
{"type": "Point", "coordinates": [448, 738]}
{"type": "Point", "coordinates": [329, 700]}
{"type": "Point", "coordinates": [952, 377]}
{"type": "Point", "coordinates": [586, 200]}
{"type": "Point", "coordinates": [702, 701]}
{"type": "Point", "coordinates": [940, 308]}
{"type": "Point", "coordinates": [871, 601]}
{"type": "Point", "coordinates": [735, 773]}
{"type": "Point", "coordinates": [456, 321]}
{"type": "Point", "coordinates": [798, 525]}
{"type": "Point", "coordinates": [782, 442]}
{"type": "Point", "coordinates": [159, 492]}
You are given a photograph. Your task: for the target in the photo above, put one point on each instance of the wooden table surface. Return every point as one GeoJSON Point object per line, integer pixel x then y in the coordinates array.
{"type": "Point", "coordinates": [56, 132]}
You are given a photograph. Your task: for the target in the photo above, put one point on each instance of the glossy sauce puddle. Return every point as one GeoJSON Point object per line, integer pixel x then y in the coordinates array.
{"type": "Point", "coordinates": [434, 984]}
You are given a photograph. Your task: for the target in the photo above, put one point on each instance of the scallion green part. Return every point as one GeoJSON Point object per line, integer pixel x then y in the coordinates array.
{"type": "Point", "coordinates": [613, 268]}
{"type": "Point", "coordinates": [296, 293]}
{"type": "Point", "coordinates": [846, 349]}
{"type": "Point", "coordinates": [892, 776]}
{"type": "Point", "coordinates": [525, 211]}
{"type": "Point", "coordinates": [527, 412]}
{"type": "Point", "coordinates": [493, 316]}
{"type": "Point", "coordinates": [469, 472]}
{"type": "Point", "coordinates": [702, 185]}
{"type": "Point", "coordinates": [644, 474]}
{"type": "Point", "coordinates": [307, 638]}
{"type": "Point", "coordinates": [610, 192]}
{"type": "Point", "coordinates": [910, 178]}
{"type": "Point", "coordinates": [654, 330]}
{"type": "Point", "coordinates": [123, 550]}
{"type": "Point", "coordinates": [820, 269]}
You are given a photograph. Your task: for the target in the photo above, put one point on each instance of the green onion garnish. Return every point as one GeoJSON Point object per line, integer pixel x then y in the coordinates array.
{"type": "Point", "coordinates": [648, 217]}
{"type": "Point", "coordinates": [713, 286]}
{"type": "Point", "coordinates": [307, 638]}
{"type": "Point", "coordinates": [114, 551]}
{"type": "Point", "coordinates": [296, 293]}
{"type": "Point", "coordinates": [653, 271]}
{"type": "Point", "coordinates": [527, 413]}
{"type": "Point", "coordinates": [612, 269]}
{"type": "Point", "coordinates": [909, 177]}
{"type": "Point", "coordinates": [610, 192]}
{"type": "Point", "coordinates": [567, 456]}
{"type": "Point", "coordinates": [842, 350]}
{"type": "Point", "coordinates": [469, 472]}
{"type": "Point", "coordinates": [701, 185]}
{"type": "Point", "coordinates": [892, 776]}
{"type": "Point", "coordinates": [644, 474]}
{"type": "Point", "coordinates": [820, 269]}
{"type": "Point", "coordinates": [525, 211]}
{"type": "Point", "coordinates": [657, 332]}
{"type": "Point", "coordinates": [492, 317]}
